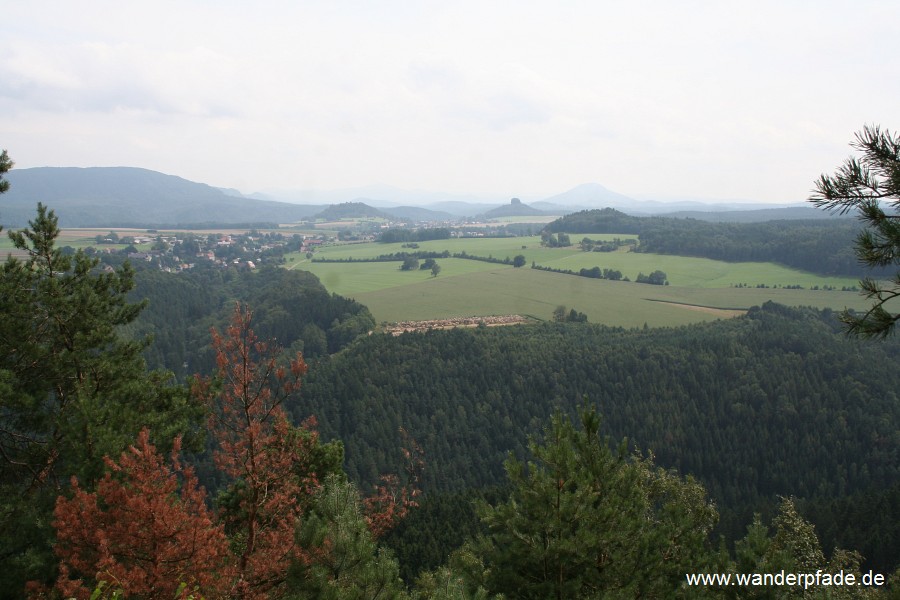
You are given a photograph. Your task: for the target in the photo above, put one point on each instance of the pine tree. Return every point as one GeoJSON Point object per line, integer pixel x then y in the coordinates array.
{"type": "Point", "coordinates": [793, 548]}
{"type": "Point", "coordinates": [271, 462]}
{"type": "Point", "coordinates": [342, 560]}
{"type": "Point", "coordinates": [870, 186]}
{"type": "Point", "coordinates": [73, 389]}
{"type": "Point", "coordinates": [586, 521]}
{"type": "Point", "coordinates": [5, 165]}
{"type": "Point", "coordinates": [146, 531]}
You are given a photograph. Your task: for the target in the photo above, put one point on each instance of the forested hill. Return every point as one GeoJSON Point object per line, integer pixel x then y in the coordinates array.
{"type": "Point", "coordinates": [774, 403]}
{"type": "Point", "coordinates": [823, 246]}
{"type": "Point", "coordinates": [819, 246]}
{"type": "Point", "coordinates": [605, 220]}
{"type": "Point", "coordinates": [292, 307]}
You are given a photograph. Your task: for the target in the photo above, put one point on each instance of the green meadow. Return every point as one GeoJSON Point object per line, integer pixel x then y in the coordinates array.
{"type": "Point", "coordinates": [468, 287]}
{"type": "Point", "coordinates": [537, 293]}
{"type": "Point", "coordinates": [350, 279]}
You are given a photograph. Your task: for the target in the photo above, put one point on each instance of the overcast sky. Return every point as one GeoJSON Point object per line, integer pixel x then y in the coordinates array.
{"type": "Point", "coordinates": [732, 100]}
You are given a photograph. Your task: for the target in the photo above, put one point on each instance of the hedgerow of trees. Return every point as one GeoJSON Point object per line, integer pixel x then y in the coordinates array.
{"type": "Point", "coordinates": [392, 236]}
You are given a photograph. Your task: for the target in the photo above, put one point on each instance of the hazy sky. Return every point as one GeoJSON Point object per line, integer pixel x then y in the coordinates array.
{"type": "Point", "coordinates": [743, 100]}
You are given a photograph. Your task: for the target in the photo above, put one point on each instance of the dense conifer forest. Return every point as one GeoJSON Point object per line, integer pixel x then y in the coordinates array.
{"type": "Point", "coordinates": [753, 407]}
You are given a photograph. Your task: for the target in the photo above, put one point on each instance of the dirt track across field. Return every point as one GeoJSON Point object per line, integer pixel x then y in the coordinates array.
{"type": "Point", "coordinates": [725, 313]}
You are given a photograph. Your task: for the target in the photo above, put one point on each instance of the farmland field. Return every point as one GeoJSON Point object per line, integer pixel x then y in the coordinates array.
{"type": "Point", "coordinates": [468, 287]}
{"type": "Point", "coordinates": [76, 238]}
{"type": "Point", "coordinates": [536, 293]}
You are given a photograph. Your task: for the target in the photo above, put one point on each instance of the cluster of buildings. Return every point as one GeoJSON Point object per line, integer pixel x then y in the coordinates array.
{"type": "Point", "coordinates": [179, 251]}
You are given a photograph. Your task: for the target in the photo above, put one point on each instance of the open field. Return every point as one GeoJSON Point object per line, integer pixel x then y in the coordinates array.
{"type": "Point", "coordinates": [505, 290]}
{"type": "Point", "coordinates": [696, 272]}
{"type": "Point", "coordinates": [681, 270]}
{"type": "Point", "coordinates": [500, 247]}
{"type": "Point", "coordinates": [350, 279]}
{"type": "Point", "coordinates": [701, 289]}
{"type": "Point", "coordinates": [530, 247]}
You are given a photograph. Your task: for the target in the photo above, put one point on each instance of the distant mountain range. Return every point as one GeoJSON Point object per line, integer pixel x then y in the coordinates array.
{"type": "Point", "coordinates": [127, 196]}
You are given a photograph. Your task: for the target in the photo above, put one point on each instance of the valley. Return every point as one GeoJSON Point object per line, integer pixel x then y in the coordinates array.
{"type": "Point", "coordinates": [726, 381]}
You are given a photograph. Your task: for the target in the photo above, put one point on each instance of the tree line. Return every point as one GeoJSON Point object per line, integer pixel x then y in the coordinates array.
{"type": "Point", "coordinates": [394, 235]}
{"type": "Point", "coordinates": [656, 277]}
{"type": "Point", "coordinates": [392, 257]}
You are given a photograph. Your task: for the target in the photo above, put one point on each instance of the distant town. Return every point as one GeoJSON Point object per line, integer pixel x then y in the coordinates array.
{"type": "Point", "coordinates": [178, 251]}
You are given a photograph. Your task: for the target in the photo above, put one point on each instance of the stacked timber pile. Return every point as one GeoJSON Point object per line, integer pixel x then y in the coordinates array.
{"type": "Point", "coordinates": [490, 321]}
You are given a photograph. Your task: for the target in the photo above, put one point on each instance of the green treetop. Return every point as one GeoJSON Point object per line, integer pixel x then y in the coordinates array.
{"type": "Point", "coordinates": [584, 520]}
{"type": "Point", "coordinates": [5, 165]}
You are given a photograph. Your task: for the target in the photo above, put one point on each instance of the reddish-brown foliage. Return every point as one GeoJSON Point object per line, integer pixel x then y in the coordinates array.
{"type": "Point", "coordinates": [139, 531]}
{"type": "Point", "coordinates": [392, 499]}
{"type": "Point", "coordinates": [259, 449]}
